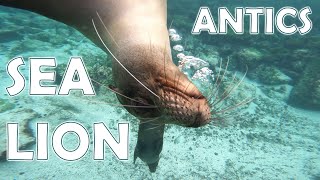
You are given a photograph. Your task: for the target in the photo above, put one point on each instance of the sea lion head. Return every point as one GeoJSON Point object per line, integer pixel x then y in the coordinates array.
{"type": "Point", "coordinates": [159, 90]}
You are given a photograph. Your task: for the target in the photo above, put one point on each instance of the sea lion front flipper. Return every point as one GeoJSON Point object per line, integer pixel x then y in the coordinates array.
{"type": "Point", "coordinates": [152, 166]}
{"type": "Point", "coordinates": [149, 144]}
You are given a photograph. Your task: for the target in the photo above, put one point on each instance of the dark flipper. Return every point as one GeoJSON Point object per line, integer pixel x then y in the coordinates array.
{"type": "Point", "coordinates": [149, 144]}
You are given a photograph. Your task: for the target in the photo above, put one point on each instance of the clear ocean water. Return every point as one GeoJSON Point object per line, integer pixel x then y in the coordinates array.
{"type": "Point", "coordinates": [267, 128]}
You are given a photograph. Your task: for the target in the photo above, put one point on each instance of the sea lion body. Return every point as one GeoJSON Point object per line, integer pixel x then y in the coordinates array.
{"type": "Point", "coordinates": [136, 34]}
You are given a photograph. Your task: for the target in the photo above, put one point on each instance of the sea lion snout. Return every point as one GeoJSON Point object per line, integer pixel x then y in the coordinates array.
{"type": "Point", "coordinates": [165, 93]}
{"type": "Point", "coordinates": [183, 104]}
{"type": "Point", "coordinates": [188, 113]}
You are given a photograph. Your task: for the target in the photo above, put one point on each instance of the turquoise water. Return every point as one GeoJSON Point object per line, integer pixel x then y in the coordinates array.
{"type": "Point", "coordinates": [276, 136]}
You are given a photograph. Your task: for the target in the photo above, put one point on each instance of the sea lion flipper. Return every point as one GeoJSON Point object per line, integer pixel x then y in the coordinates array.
{"type": "Point", "coordinates": [153, 166]}
{"type": "Point", "coordinates": [149, 144]}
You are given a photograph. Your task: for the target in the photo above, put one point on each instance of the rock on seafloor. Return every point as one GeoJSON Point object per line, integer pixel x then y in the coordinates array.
{"type": "Point", "coordinates": [270, 75]}
{"type": "Point", "coordinates": [23, 117]}
{"type": "Point", "coordinates": [307, 92]}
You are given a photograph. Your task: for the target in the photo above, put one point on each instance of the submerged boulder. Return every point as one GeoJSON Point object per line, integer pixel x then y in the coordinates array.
{"type": "Point", "coordinates": [280, 92]}
{"type": "Point", "coordinates": [250, 57]}
{"type": "Point", "coordinates": [23, 117]}
{"type": "Point", "coordinates": [5, 105]}
{"type": "Point", "coordinates": [306, 94]}
{"type": "Point", "coordinates": [270, 75]}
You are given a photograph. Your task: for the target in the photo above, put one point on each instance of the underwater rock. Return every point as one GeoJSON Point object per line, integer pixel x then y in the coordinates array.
{"type": "Point", "coordinates": [5, 105]}
{"type": "Point", "coordinates": [209, 53]}
{"type": "Point", "coordinates": [281, 92]}
{"type": "Point", "coordinates": [50, 37]}
{"type": "Point", "coordinates": [23, 117]}
{"type": "Point", "coordinates": [226, 49]}
{"type": "Point", "coordinates": [28, 45]}
{"type": "Point", "coordinates": [300, 57]}
{"type": "Point", "coordinates": [306, 94]}
{"type": "Point", "coordinates": [250, 57]}
{"type": "Point", "coordinates": [193, 44]}
{"type": "Point", "coordinates": [270, 75]}
{"type": "Point", "coordinates": [60, 70]}
{"type": "Point", "coordinates": [8, 35]}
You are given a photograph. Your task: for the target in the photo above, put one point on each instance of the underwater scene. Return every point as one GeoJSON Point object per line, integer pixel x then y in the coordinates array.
{"type": "Point", "coordinates": [199, 106]}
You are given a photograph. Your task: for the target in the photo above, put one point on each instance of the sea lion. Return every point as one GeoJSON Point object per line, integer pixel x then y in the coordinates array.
{"type": "Point", "coordinates": [135, 34]}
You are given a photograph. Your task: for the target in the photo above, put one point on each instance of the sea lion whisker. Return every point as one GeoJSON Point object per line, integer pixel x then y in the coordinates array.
{"type": "Point", "coordinates": [187, 88]}
{"type": "Point", "coordinates": [224, 73]}
{"type": "Point", "coordinates": [171, 24]}
{"type": "Point", "coordinates": [149, 120]}
{"type": "Point", "coordinates": [227, 89]}
{"type": "Point", "coordinates": [215, 93]}
{"type": "Point", "coordinates": [151, 107]}
{"type": "Point", "coordinates": [209, 99]}
{"type": "Point", "coordinates": [116, 92]}
{"type": "Point", "coordinates": [105, 27]}
{"type": "Point", "coordinates": [118, 105]}
{"type": "Point", "coordinates": [233, 88]}
{"type": "Point", "coordinates": [225, 116]}
{"type": "Point", "coordinates": [211, 88]}
{"type": "Point", "coordinates": [218, 73]}
{"type": "Point", "coordinates": [158, 125]}
{"type": "Point", "coordinates": [153, 122]}
{"type": "Point", "coordinates": [244, 102]}
{"type": "Point", "coordinates": [219, 119]}
{"type": "Point", "coordinates": [95, 28]}
{"type": "Point", "coordinates": [216, 81]}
